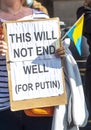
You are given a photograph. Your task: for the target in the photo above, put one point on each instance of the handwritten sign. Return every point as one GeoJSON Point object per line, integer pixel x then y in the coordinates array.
{"type": "Point", "coordinates": [33, 69]}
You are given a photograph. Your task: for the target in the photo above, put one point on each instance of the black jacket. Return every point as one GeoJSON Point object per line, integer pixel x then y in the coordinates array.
{"type": "Point", "coordinates": [87, 22]}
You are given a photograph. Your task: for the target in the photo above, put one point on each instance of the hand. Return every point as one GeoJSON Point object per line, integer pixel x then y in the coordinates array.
{"type": "Point", "coordinates": [60, 52]}
{"type": "Point", "coordinates": [3, 45]}
{"type": "Point", "coordinates": [3, 48]}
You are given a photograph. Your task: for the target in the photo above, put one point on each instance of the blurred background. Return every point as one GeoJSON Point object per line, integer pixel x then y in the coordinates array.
{"type": "Point", "coordinates": [64, 9]}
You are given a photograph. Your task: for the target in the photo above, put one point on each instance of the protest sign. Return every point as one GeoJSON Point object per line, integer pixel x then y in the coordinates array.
{"type": "Point", "coordinates": [35, 75]}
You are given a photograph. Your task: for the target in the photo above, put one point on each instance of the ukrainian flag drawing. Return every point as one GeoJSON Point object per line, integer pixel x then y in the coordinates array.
{"type": "Point", "coordinates": [75, 33]}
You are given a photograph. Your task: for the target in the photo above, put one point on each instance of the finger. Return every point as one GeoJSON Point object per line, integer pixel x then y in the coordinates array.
{"type": "Point", "coordinates": [3, 48]}
{"type": "Point", "coordinates": [2, 37]}
{"type": "Point", "coordinates": [60, 49]}
{"type": "Point", "coordinates": [3, 52]}
{"type": "Point", "coordinates": [60, 52]}
{"type": "Point", "coordinates": [3, 44]}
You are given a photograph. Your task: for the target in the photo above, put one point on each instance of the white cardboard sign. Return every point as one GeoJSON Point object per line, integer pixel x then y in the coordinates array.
{"type": "Point", "coordinates": [33, 69]}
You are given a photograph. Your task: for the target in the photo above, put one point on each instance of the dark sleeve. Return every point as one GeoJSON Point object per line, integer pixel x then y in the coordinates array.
{"type": "Point", "coordinates": [87, 24]}
{"type": "Point", "coordinates": [80, 11]}
{"type": "Point", "coordinates": [87, 18]}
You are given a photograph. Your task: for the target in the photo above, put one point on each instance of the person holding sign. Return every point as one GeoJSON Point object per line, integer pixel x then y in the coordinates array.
{"type": "Point", "coordinates": [37, 5]}
{"type": "Point", "coordinates": [11, 10]}
{"type": "Point", "coordinates": [86, 10]}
